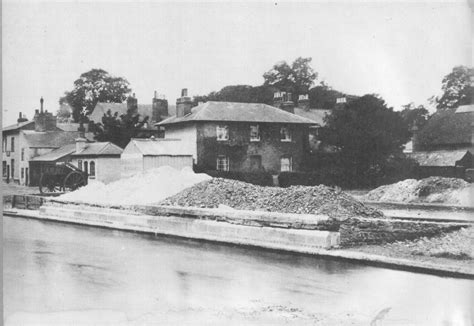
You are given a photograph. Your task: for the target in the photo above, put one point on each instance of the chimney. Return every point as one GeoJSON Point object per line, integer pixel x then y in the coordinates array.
{"type": "Point", "coordinates": [183, 104]}
{"type": "Point", "coordinates": [132, 104]}
{"type": "Point", "coordinates": [44, 120]}
{"type": "Point", "coordinates": [288, 105]}
{"type": "Point", "coordinates": [414, 138]}
{"type": "Point", "coordinates": [41, 103]}
{"type": "Point", "coordinates": [278, 99]}
{"type": "Point", "coordinates": [81, 144]}
{"type": "Point", "coordinates": [303, 102]}
{"type": "Point", "coordinates": [159, 107]}
{"type": "Point", "coordinates": [21, 118]}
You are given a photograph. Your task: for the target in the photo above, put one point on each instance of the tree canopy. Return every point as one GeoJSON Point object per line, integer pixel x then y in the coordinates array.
{"type": "Point", "coordinates": [457, 87]}
{"type": "Point", "coordinates": [296, 78]}
{"type": "Point", "coordinates": [368, 134]}
{"type": "Point", "coordinates": [94, 86]}
{"type": "Point", "coordinates": [414, 115]}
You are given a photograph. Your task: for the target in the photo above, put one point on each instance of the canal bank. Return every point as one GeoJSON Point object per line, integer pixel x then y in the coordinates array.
{"type": "Point", "coordinates": [299, 233]}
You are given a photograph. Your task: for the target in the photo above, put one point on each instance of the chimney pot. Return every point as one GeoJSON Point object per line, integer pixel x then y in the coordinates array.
{"type": "Point", "coordinates": [156, 94]}
{"type": "Point", "coordinates": [184, 92]}
{"type": "Point", "coordinates": [41, 103]}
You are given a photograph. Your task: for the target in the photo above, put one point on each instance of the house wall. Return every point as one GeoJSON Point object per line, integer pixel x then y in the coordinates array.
{"type": "Point", "coordinates": [131, 161]}
{"type": "Point", "coordinates": [175, 161]}
{"type": "Point", "coordinates": [10, 155]}
{"type": "Point", "coordinates": [107, 169]}
{"type": "Point", "coordinates": [240, 149]}
{"type": "Point", "coordinates": [188, 136]}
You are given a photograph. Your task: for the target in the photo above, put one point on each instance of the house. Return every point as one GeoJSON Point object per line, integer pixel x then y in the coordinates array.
{"type": "Point", "coordinates": [445, 145]}
{"type": "Point", "coordinates": [28, 139]}
{"type": "Point", "coordinates": [245, 137]}
{"type": "Point", "coordinates": [144, 154]}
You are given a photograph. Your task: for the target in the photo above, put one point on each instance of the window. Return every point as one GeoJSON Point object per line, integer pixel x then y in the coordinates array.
{"type": "Point", "coordinates": [222, 163]}
{"type": "Point", "coordinates": [22, 173]}
{"type": "Point", "coordinates": [4, 144]}
{"type": "Point", "coordinates": [222, 133]}
{"type": "Point", "coordinates": [254, 133]}
{"type": "Point", "coordinates": [255, 162]}
{"type": "Point", "coordinates": [92, 169]}
{"type": "Point", "coordinates": [12, 168]}
{"type": "Point", "coordinates": [13, 144]}
{"type": "Point", "coordinates": [22, 154]}
{"type": "Point", "coordinates": [285, 164]}
{"type": "Point", "coordinates": [79, 164]}
{"type": "Point", "coordinates": [86, 167]}
{"type": "Point", "coordinates": [4, 169]}
{"type": "Point", "coordinates": [285, 134]}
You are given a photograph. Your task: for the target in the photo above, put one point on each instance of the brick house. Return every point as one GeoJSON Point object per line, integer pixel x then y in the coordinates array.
{"type": "Point", "coordinates": [244, 137]}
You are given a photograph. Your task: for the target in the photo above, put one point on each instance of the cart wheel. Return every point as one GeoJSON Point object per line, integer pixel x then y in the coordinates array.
{"type": "Point", "coordinates": [48, 184]}
{"type": "Point", "coordinates": [73, 181]}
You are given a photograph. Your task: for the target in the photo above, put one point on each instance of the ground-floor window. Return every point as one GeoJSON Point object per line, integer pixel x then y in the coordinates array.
{"type": "Point", "coordinates": [22, 173]}
{"type": "Point", "coordinates": [286, 164]}
{"type": "Point", "coordinates": [92, 169]}
{"type": "Point", "coordinates": [86, 167]}
{"type": "Point", "coordinates": [4, 169]}
{"type": "Point", "coordinates": [222, 163]}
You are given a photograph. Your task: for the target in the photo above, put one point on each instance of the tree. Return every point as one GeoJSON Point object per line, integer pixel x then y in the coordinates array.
{"type": "Point", "coordinates": [296, 79]}
{"type": "Point", "coordinates": [457, 87]}
{"type": "Point", "coordinates": [323, 97]}
{"type": "Point", "coordinates": [368, 135]}
{"type": "Point", "coordinates": [94, 86]}
{"type": "Point", "coordinates": [414, 115]}
{"type": "Point", "coordinates": [239, 93]}
{"type": "Point", "coordinates": [120, 129]}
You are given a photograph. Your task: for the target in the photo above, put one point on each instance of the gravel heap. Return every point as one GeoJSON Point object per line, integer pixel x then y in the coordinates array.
{"type": "Point", "coordinates": [296, 199]}
{"type": "Point", "coordinates": [429, 190]}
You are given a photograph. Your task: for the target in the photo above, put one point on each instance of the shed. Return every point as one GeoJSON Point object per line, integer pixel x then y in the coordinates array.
{"type": "Point", "coordinates": [446, 163]}
{"type": "Point", "coordinates": [144, 154]}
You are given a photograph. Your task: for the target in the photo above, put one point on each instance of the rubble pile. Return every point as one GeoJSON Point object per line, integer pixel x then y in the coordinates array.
{"type": "Point", "coordinates": [429, 190]}
{"type": "Point", "coordinates": [141, 189]}
{"type": "Point", "coordinates": [296, 199]}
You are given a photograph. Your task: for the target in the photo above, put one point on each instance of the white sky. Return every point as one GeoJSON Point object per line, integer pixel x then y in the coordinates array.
{"type": "Point", "coordinates": [400, 50]}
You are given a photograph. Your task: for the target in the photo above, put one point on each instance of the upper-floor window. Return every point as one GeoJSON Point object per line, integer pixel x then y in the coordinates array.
{"type": "Point", "coordinates": [4, 144]}
{"type": "Point", "coordinates": [286, 164]}
{"type": "Point", "coordinates": [22, 154]}
{"type": "Point", "coordinates": [12, 144]}
{"type": "Point", "coordinates": [222, 163]}
{"type": "Point", "coordinates": [254, 133]}
{"type": "Point", "coordinates": [285, 134]}
{"type": "Point", "coordinates": [92, 169]}
{"type": "Point", "coordinates": [222, 133]}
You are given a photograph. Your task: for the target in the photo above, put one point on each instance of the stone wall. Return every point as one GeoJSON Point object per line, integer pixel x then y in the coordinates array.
{"type": "Point", "coordinates": [361, 231]}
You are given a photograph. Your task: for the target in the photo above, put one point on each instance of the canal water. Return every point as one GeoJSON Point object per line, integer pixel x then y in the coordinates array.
{"type": "Point", "coordinates": [67, 274]}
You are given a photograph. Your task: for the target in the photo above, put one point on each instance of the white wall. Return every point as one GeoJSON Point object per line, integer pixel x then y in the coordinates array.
{"type": "Point", "coordinates": [177, 162]}
{"type": "Point", "coordinates": [107, 169]}
{"type": "Point", "coordinates": [188, 136]}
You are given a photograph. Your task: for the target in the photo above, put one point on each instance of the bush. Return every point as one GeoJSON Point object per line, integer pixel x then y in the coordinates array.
{"type": "Point", "coordinates": [256, 178]}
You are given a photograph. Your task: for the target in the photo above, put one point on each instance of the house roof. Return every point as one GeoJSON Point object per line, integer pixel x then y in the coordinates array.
{"type": "Point", "coordinates": [99, 149]}
{"type": "Point", "coordinates": [56, 154]}
{"type": "Point", "coordinates": [70, 126]}
{"type": "Point", "coordinates": [51, 139]}
{"type": "Point", "coordinates": [438, 158]}
{"type": "Point", "coordinates": [17, 126]}
{"type": "Point", "coordinates": [465, 108]}
{"type": "Point", "coordinates": [237, 112]}
{"type": "Point", "coordinates": [316, 115]}
{"type": "Point", "coordinates": [143, 109]}
{"type": "Point", "coordinates": [160, 146]}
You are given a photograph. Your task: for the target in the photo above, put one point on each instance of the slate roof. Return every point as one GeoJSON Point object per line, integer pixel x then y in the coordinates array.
{"type": "Point", "coordinates": [237, 112]}
{"type": "Point", "coordinates": [438, 158]}
{"type": "Point", "coordinates": [465, 109]}
{"type": "Point", "coordinates": [98, 149]}
{"type": "Point", "coordinates": [51, 139]}
{"type": "Point", "coordinates": [316, 115]}
{"type": "Point", "coordinates": [143, 109]}
{"type": "Point", "coordinates": [447, 129]}
{"type": "Point", "coordinates": [72, 126]}
{"type": "Point", "coordinates": [17, 126]}
{"type": "Point", "coordinates": [160, 146]}
{"type": "Point", "coordinates": [56, 154]}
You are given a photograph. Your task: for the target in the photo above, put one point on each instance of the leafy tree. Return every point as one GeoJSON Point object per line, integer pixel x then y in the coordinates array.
{"type": "Point", "coordinates": [296, 78]}
{"type": "Point", "coordinates": [414, 115]}
{"type": "Point", "coordinates": [457, 87]}
{"type": "Point", "coordinates": [368, 134]}
{"type": "Point", "coordinates": [239, 93]}
{"type": "Point", "coordinates": [323, 97]}
{"type": "Point", "coordinates": [120, 129]}
{"type": "Point", "coordinates": [94, 86]}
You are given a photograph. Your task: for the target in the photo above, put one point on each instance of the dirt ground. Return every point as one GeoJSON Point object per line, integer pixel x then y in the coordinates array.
{"type": "Point", "coordinates": [14, 189]}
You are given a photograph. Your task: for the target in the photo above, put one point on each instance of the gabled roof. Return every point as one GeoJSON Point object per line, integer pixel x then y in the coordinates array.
{"type": "Point", "coordinates": [56, 154]}
{"type": "Point", "coordinates": [18, 126]}
{"type": "Point", "coordinates": [439, 158]}
{"type": "Point", "coordinates": [99, 149]}
{"type": "Point", "coordinates": [51, 139]}
{"type": "Point", "coordinates": [143, 109]}
{"type": "Point", "coordinates": [469, 108]}
{"type": "Point", "coordinates": [237, 112]}
{"type": "Point", "coordinates": [159, 146]}
{"type": "Point", "coordinates": [316, 115]}
{"type": "Point", "coordinates": [70, 126]}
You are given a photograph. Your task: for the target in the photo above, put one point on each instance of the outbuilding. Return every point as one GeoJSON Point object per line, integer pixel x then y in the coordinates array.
{"type": "Point", "coordinates": [144, 154]}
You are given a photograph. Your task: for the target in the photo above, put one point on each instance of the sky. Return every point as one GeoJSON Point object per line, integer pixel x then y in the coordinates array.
{"type": "Point", "coordinates": [399, 50]}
